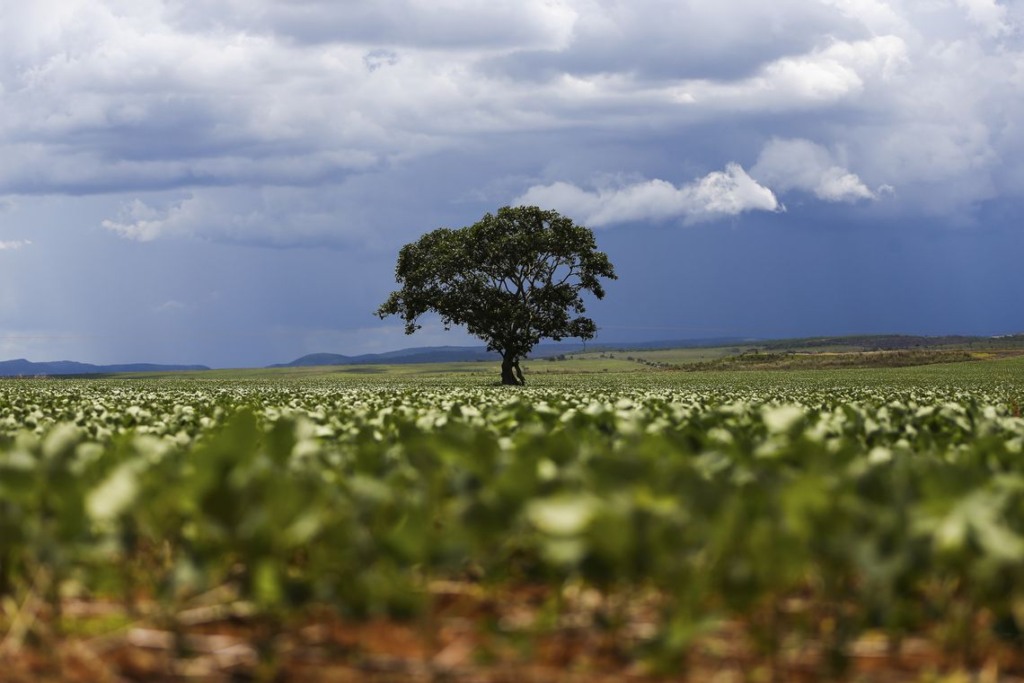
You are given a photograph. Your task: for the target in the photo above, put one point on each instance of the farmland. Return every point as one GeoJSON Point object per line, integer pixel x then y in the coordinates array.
{"type": "Point", "coordinates": [363, 524]}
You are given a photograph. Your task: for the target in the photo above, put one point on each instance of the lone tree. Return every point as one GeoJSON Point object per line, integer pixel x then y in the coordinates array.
{"type": "Point", "coordinates": [512, 279]}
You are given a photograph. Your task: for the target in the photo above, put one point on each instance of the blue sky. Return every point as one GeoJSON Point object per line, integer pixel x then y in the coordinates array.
{"type": "Point", "coordinates": [229, 183]}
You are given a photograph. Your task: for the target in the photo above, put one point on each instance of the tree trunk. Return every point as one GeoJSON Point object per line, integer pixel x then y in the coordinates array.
{"type": "Point", "coordinates": [509, 367]}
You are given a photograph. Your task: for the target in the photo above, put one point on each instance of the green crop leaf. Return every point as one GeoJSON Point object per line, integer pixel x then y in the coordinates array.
{"type": "Point", "coordinates": [115, 495]}
{"type": "Point", "coordinates": [566, 515]}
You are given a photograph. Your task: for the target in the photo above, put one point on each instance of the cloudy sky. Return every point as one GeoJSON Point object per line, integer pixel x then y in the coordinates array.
{"type": "Point", "coordinates": [229, 182]}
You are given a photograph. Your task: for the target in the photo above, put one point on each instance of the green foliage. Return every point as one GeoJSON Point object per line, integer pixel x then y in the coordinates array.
{"type": "Point", "coordinates": [513, 278]}
{"type": "Point", "coordinates": [885, 502]}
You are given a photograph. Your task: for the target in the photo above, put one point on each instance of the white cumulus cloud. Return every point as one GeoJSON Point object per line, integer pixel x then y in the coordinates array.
{"type": "Point", "coordinates": [14, 245]}
{"type": "Point", "coordinates": [798, 164]}
{"type": "Point", "coordinates": [716, 195]}
{"type": "Point", "coordinates": [987, 14]}
{"type": "Point", "coordinates": [840, 72]}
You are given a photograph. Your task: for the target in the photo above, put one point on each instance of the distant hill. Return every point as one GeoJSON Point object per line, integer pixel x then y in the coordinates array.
{"type": "Point", "coordinates": [463, 354]}
{"type": "Point", "coordinates": [467, 354]}
{"type": "Point", "coordinates": [26, 368]}
{"type": "Point", "coordinates": [316, 359]}
{"type": "Point", "coordinates": [424, 354]}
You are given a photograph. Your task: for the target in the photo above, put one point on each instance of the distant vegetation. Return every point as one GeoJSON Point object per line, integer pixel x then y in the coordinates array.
{"type": "Point", "coordinates": [760, 360]}
{"type": "Point", "coordinates": [885, 351]}
{"type": "Point", "coordinates": [891, 342]}
{"type": "Point", "coordinates": [711, 355]}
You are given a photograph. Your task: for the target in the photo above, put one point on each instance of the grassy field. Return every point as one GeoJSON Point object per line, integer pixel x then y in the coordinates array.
{"type": "Point", "coordinates": [824, 353]}
{"type": "Point", "coordinates": [859, 352]}
{"type": "Point", "coordinates": [612, 520]}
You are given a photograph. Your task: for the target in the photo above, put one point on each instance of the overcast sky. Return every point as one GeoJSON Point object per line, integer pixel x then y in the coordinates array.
{"type": "Point", "coordinates": [229, 182]}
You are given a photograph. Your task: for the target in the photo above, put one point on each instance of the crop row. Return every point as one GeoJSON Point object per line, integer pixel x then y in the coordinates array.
{"type": "Point", "coordinates": [898, 510]}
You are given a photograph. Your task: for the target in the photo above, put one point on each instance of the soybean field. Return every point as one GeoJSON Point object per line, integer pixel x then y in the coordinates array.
{"type": "Point", "coordinates": [658, 525]}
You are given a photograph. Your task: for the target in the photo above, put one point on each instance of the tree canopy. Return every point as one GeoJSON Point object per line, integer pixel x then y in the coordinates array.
{"type": "Point", "coordinates": [512, 279]}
